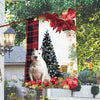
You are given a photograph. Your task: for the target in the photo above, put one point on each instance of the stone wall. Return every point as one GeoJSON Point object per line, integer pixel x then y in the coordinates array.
{"type": "Point", "coordinates": [85, 92]}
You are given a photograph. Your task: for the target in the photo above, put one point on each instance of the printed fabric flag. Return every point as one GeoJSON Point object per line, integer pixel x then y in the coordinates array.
{"type": "Point", "coordinates": [51, 60]}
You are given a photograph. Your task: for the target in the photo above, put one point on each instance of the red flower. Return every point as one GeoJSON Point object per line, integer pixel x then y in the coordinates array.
{"type": "Point", "coordinates": [41, 87]}
{"type": "Point", "coordinates": [46, 83]}
{"type": "Point", "coordinates": [39, 81]}
{"type": "Point", "coordinates": [60, 24]}
{"type": "Point", "coordinates": [42, 17]}
{"type": "Point", "coordinates": [47, 20]}
{"type": "Point", "coordinates": [51, 24]}
{"type": "Point", "coordinates": [63, 16]}
{"type": "Point", "coordinates": [33, 82]}
{"type": "Point", "coordinates": [53, 80]}
{"type": "Point", "coordinates": [71, 14]}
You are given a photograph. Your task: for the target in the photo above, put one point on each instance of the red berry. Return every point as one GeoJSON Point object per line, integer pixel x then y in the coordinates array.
{"type": "Point", "coordinates": [69, 34]}
{"type": "Point", "coordinates": [56, 82]}
{"type": "Point", "coordinates": [47, 20]}
{"type": "Point", "coordinates": [73, 44]}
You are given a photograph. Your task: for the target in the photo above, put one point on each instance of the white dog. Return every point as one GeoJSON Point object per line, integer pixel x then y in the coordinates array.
{"type": "Point", "coordinates": [38, 68]}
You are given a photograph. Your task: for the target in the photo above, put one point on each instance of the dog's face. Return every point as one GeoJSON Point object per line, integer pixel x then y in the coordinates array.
{"type": "Point", "coordinates": [36, 55]}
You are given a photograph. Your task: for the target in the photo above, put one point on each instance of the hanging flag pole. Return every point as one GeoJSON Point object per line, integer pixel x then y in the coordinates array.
{"type": "Point", "coordinates": [12, 23]}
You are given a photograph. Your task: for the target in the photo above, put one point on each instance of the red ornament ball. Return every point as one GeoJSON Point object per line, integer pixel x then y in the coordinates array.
{"type": "Point", "coordinates": [56, 82]}
{"type": "Point", "coordinates": [67, 80]}
{"type": "Point", "coordinates": [53, 80]}
{"type": "Point", "coordinates": [63, 83]}
{"type": "Point", "coordinates": [73, 83]}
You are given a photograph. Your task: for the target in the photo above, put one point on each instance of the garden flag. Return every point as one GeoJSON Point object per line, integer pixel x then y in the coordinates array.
{"type": "Point", "coordinates": [51, 60]}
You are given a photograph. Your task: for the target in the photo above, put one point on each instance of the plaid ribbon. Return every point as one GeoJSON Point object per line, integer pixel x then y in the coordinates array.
{"type": "Point", "coordinates": [32, 42]}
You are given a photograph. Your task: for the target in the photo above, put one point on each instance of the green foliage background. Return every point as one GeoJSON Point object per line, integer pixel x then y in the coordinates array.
{"type": "Point", "coordinates": [88, 23]}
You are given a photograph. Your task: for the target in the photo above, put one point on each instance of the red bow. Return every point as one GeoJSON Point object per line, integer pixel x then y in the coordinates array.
{"type": "Point", "coordinates": [60, 24]}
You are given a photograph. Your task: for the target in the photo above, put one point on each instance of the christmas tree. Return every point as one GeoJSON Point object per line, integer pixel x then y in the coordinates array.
{"type": "Point", "coordinates": [49, 56]}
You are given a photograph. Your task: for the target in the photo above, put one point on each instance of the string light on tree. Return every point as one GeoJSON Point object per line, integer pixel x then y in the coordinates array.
{"type": "Point", "coordinates": [49, 56]}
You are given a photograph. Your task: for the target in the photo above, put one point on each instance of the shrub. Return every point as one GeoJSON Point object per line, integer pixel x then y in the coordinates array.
{"type": "Point", "coordinates": [95, 90]}
{"type": "Point", "coordinates": [87, 76]}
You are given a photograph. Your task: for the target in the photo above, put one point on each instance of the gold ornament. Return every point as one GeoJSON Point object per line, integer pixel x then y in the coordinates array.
{"type": "Point", "coordinates": [71, 63]}
{"type": "Point", "coordinates": [65, 12]}
{"type": "Point", "coordinates": [71, 75]}
{"type": "Point", "coordinates": [26, 84]}
{"type": "Point", "coordinates": [35, 19]}
{"type": "Point", "coordinates": [33, 86]}
{"type": "Point", "coordinates": [74, 35]}
{"type": "Point", "coordinates": [51, 86]}
{"type": "Point", "coordinates": [36, 85]}
{"type": "Point", "coordinates": [75, 72]}
{"type": "Point", "coordinates": [60, 79]}
{"type": "Point", "coordinates": [66, 87]}
{"type": "Point", "coordinates": [30, 86]}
